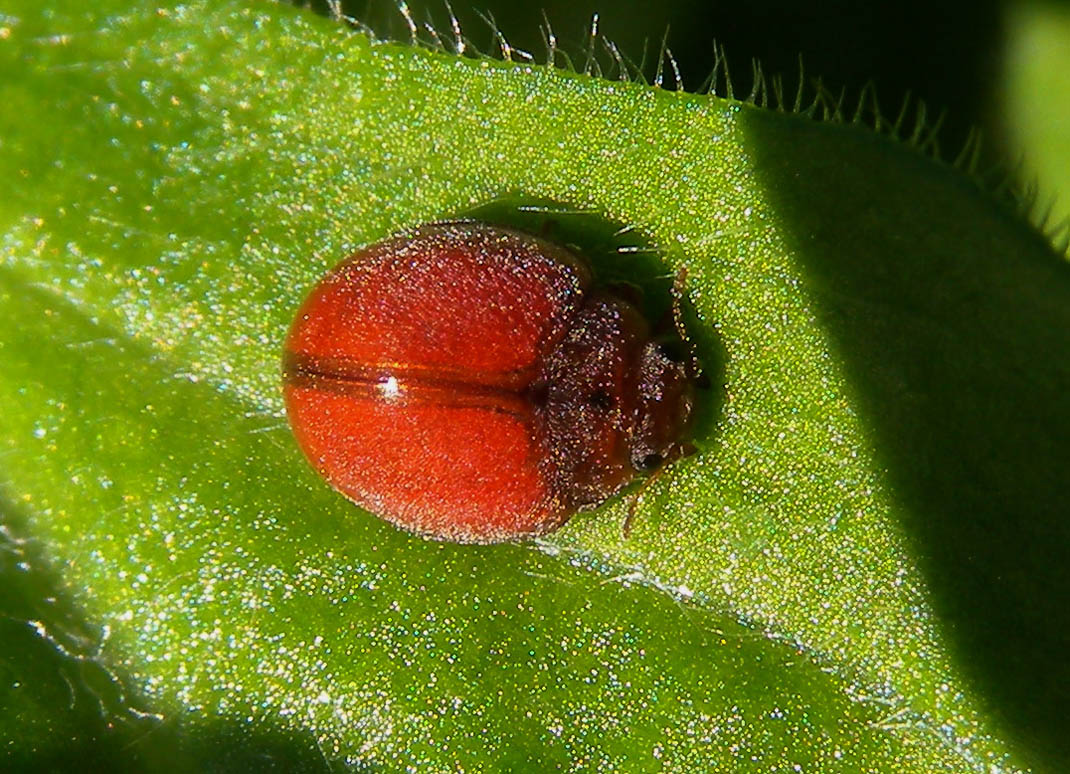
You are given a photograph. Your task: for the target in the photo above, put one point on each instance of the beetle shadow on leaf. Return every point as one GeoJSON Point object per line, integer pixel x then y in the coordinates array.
{"type": "Point", "coordinates": [952, 321]}
{"type": "Point", "coordinates": [634, 268]}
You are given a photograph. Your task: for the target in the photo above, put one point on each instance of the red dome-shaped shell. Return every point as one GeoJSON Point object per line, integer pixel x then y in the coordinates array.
{"type": "Point", "coordinates": [464, 381]}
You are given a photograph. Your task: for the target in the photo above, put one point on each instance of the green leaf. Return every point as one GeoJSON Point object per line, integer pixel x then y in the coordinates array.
{"type": "Point", "coordinates": [860, 571]}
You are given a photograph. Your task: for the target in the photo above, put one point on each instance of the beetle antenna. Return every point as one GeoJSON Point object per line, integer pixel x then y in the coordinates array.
{"type": "Point", "coordinates": [679, 293]}
{"type": "Point", "coordinates": [626, 527]}
{"type": "Point", "coordinates": [685, 449]}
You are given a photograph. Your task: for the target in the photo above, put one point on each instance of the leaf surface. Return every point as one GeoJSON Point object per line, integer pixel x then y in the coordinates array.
{"type": "Point", "coordinates": [859, 571]}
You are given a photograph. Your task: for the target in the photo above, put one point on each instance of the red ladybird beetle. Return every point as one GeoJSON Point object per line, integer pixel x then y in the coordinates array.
{"type": "Point", "coordinates": [466, 382]}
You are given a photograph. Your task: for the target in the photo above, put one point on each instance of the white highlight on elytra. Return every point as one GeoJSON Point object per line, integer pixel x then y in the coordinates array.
{"type": "Point", "coordinates": [389, 388]}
